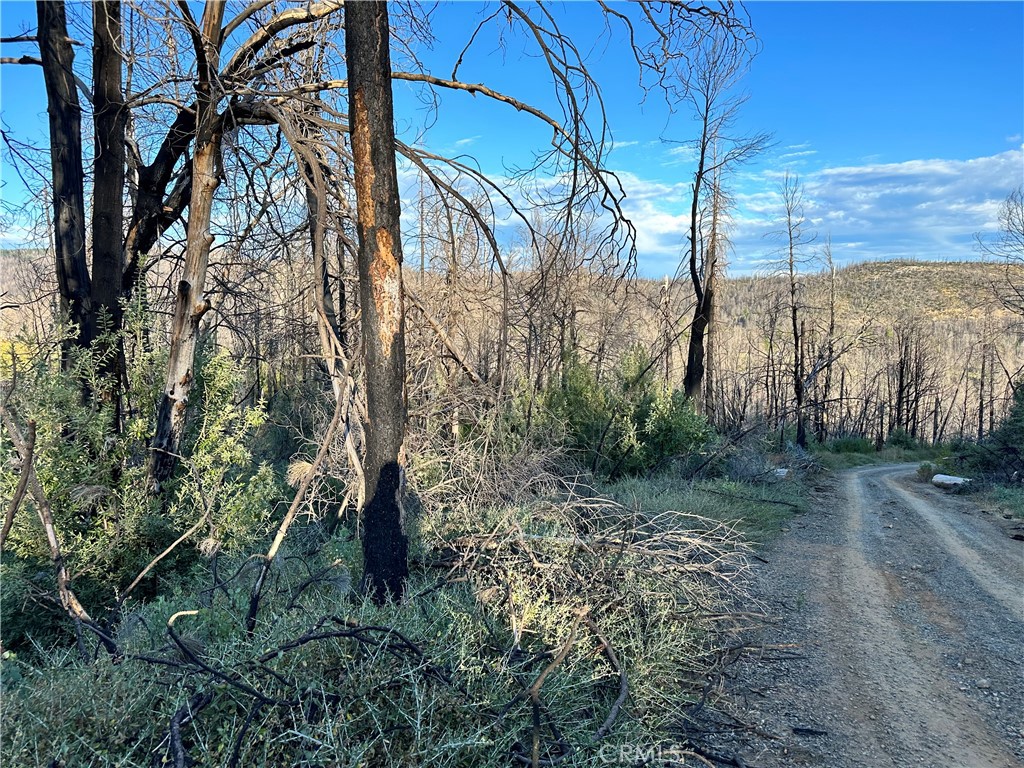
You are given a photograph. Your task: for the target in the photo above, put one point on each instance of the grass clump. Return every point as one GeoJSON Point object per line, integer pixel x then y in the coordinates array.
{"type": "Point", "coordinates": [1007, 499]}
{"type": "Point", "coordinates": [758, 509]}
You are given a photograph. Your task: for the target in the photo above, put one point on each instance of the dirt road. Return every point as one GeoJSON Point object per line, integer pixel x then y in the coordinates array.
{"type": "Point", "coordinates": [898, 635]}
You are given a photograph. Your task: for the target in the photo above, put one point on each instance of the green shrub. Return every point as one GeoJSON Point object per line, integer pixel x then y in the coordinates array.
{"type": "Point", "coordinates": [1000, 456]}
{"type": "Point", "coordinates": [850, 444]}
{"type": "Point", "coordinates": [625, 426]}
{"type": "Point", "coordinates": [437, 682]}
{"type": "Point", "coordinates": [95, 480]}
{"type": "Point", "coordinates": [900, 438]}
{"type": "Point", "coordinates": [926, 471]}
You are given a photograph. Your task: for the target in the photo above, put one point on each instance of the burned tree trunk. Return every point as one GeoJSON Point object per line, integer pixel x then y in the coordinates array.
{"type": "Point", "coordinates": [191, 302]}
{"type": "Point", "coordinates": [693, 380]}
{"type": "Point", "coordinates": [65, 117]}
{"type": "Point", "coordinates": [698, 377]}
{"type": "Point", "coordinates": [371, 120]}
{"type": "Point", "coordinates": [108, 189]}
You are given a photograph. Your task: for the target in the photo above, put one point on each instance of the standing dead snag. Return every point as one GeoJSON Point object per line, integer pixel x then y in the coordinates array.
{"type": "Point", "coordinates": [191, 302]}
{"type": "Point", "coordinates": [372, 125]}
{"type": "Point", "coordinates": [65, 115]}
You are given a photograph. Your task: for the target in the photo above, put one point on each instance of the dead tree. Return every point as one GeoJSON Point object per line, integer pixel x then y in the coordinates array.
{"type": "Point", "coordinates": [382, 301]}
{"type": "Point", "coordinates": [1008, 246]}
{"type": "Point", "coordinates": [210, 124]}
{"type": "Point", "coordinates": [795, 238]}
{"type": "Point", "coordinates": [74, 285]}
{"type": "Point", "coordinates": [192, 302]}
{"type": "Point", "coordinates": [719, 63]}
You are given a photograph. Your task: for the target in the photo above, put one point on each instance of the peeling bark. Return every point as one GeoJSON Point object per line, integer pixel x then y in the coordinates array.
{"type": "Point", "coordinates": [192, 304]}
{"type": "Point", "coordinates": [371, 116]}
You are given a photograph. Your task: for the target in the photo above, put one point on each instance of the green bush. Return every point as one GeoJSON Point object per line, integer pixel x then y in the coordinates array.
{"type": "Point", "coordinates": [625, 426]}
{"type": "Point", "coordinates": [330, 679]}
{"type": "Point", "coordinates": [95, 480]}
{"type": "Point", "coordinates": [900, 438]}
{"type": "Point", "coordinates": [926, 471]}
{"type": "Point", "coordinates": [850, 444]}
{"type": "Point", "coordinates": [1000, 456]}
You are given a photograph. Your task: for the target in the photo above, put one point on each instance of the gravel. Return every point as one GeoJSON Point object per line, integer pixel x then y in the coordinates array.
{"type": "Point", "coordinates": [893, 637]}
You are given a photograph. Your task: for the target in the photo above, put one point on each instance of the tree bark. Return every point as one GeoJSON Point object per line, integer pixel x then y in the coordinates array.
{"type": "Point", "coordinates": [108, 190]}
{"type": "Point", "coordinates": [191, 303]}
{"type": "Point", "coordinates": [693, 379]}
{"type": "Point", "coordinates": [697, 380]}
{"type": "Point", "coordinates": [371, 120]}
{"type": "Point", "coordinates": [65, 118]}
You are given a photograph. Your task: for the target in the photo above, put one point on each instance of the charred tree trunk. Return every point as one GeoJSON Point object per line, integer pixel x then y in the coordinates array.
{"type": "Point", "coordinates": [371, 120]}
{"type": "Point", "coordinates": [191, 303]}
{"type": "Point", "coordinates": [794, 212]}
{"type": "Point", "coordinates": [693, 379]}
{"type": "Point", "coordinates": [697, 380]}
{"type": "Point", "coordinates": [65, 118]}
{"type": "Point", "coordinates": [824, 422]}
{"type": "Point", "coordinates": [981, 395]}
{"type": "Point", "coordinates": [108, 189]}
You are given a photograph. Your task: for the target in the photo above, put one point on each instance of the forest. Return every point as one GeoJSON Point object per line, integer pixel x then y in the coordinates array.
{"type": "Point", "coordinates": [324, 447]}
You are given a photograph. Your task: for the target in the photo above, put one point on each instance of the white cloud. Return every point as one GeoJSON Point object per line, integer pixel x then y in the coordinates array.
{"type": "Point", "coordinates": [467, 141]}
{"type": "Point", "coordinates": [801, 153]}
{"type": "Point", "coordinates": [925, 209]}
{"type": "Point", "coordinates": [684, 153]}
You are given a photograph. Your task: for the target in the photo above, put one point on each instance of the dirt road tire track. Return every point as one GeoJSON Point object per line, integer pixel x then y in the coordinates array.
{"type": "Point", "coordinates": [901, 610]}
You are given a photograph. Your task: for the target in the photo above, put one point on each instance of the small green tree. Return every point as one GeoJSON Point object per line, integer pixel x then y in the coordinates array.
{"type": "Point", "coordinates": [1000, 456]}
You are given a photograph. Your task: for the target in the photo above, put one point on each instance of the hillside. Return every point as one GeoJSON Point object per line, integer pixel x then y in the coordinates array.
{"type": "Point", "coordinates": [887, 291]}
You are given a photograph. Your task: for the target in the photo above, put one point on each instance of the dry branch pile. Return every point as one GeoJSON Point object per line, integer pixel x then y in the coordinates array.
{"type": "Point", "coordinates": [571, 622]}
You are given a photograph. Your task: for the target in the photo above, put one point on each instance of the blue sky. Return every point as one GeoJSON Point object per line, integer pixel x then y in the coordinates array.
{"type": "Point", "coordinates": [904, 121]}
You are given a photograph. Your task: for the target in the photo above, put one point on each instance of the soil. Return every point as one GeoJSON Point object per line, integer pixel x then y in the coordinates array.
{"type": "Point", "coordinates": [895, 636]}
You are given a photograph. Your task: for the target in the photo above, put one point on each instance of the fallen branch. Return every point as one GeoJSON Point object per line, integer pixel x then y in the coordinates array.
{"type": "Point", "coordinates": [443, 336]}
{"type": "Point", "coordinates": [533, 692]}
{"type": "Point", "coordinates": [19, 492]}
{"type": "Point", "coordinates": [300, 494]}
{"type": "Point", "coordinates": [185, 714]}
{"type": "Point", "coordinates": [609, 653]}
{"type": "Point", "coordinates": [152, 564]}
{"type": "Point", "coordinates": [740, 497]}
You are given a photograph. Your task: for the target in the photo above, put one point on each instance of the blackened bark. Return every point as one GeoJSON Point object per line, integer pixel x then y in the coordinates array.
{"type": "Point", "coordinates": [385, 545]}
{"type": "Point", "coordinates": [108, 190]}
{"type": "Point", "coordinates": [327, 317]}
{"type": "Point", "coordinates": [694, 378]}
{"type": "Point", "coordinates": [65, 117]}
{"type": "Point", "coordinates": [152, 213]}
{"type": "Point", "coordinates": [371, 120]}
{"type": "Point", "coordinates": [702, 270]}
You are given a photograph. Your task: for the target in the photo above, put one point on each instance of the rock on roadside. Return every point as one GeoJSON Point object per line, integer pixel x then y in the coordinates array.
{"type": "Point", "coordinates": [949, 482]}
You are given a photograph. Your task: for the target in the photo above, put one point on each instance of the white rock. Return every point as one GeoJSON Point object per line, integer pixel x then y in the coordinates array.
{"type": "Point", "coordinates": [949, 481]}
